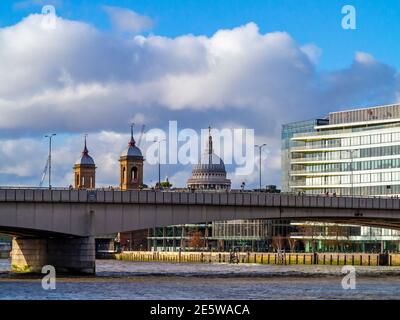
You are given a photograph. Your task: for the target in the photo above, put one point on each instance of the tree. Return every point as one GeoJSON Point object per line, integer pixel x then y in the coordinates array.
{"type": "Point", "coordinates": [309, 232]}
{"type": "Point", "coordinates": [292, 243]}
{"type": "Point", "coordinates": [196, 240]}
{"type": "Point", "coordinates": [278, 242]}
{"type": "Point", "coordinates": [164, 184]}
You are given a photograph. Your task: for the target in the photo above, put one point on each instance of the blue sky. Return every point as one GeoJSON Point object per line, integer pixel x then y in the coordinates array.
{"type": "Point", "coordinates": [226, 63]}
{"type": "Point", "coordinates": [378, 22]}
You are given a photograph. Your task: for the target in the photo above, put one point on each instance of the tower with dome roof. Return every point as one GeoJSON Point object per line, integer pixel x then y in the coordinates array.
{"type": "Point", "coordinates": [85, 170]}
{"type": "Point", "coordinates": [131, 166]}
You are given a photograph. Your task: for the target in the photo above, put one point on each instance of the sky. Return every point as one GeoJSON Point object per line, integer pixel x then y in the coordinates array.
{"type": "Point", "coordinates": [225, 63]}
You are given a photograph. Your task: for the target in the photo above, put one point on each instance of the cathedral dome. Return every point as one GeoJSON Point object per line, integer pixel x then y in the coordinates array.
{"type": "Point", "coordinates": [210, 172]}
{"type": "Point", "coordinates": [210, 162]}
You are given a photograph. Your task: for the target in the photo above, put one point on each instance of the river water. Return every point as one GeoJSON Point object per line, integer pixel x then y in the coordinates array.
{"type": "Point", "coordinates": [148, 280]}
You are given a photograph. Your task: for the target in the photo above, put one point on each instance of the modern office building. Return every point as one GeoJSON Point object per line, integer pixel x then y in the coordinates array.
{"type": "Point", "coordinates": [354, 152]}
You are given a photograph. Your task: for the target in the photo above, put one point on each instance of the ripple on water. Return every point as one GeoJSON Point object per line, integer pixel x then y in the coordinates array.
{"type": "Point", "coordinates": [146, 280]}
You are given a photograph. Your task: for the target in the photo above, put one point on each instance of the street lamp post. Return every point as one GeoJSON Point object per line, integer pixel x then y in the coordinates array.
{"type": "Point", "coordinates": [159, 160]}
{"type": "Point", "coordinates": [50, 136]}
{"type": "Point", "coordinates": [260, 149]}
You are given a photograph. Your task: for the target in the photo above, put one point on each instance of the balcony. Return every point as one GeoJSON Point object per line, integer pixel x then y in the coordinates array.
{"type": "Point", "coordinates": [310, 147]}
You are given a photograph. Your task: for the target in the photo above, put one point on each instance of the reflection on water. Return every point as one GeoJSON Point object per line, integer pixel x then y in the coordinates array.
{"type": "Point", "coordinates": [141, 280]}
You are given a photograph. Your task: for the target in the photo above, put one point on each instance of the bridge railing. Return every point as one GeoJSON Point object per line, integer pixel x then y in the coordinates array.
{"type": "Point", "coordinates": [188, 191]}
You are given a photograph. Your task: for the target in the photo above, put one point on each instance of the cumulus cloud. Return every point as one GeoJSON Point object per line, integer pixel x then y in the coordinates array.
{"type": "Point", "coordinates": [75, 79]}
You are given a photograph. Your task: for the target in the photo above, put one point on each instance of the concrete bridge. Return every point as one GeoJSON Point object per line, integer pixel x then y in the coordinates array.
{"type": "Point", "coordinates": [57, 227]}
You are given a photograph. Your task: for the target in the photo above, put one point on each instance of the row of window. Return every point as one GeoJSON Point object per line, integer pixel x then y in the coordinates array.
{"type": "Point", "coordinates": [354, 141]}
{"type": "Point", "coordinates": [356, 178]}
{"type": "Point", "coordinates": [205, 175]}
{"type": "Point", "coordinates": [371, 139]}
{"type": "Point", "coordinates": [358, 191]}
{"type": "Point", "coordinates": [346, 154]}
{"type": "Point", "coordinates": [352, 166]}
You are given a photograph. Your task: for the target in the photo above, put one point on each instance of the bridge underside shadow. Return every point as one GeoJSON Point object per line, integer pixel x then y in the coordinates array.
{"type": "Point", "coordinates": [66, 255]}
{"type": "Point", "coordinates": [31, 250]}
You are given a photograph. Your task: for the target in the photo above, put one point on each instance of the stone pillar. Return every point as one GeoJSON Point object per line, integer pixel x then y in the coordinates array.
{"type": "Point", "coordinates": [72, 255]}
{"type": "Point", "coordinates": [28, 255]}
{"type": "Point", "coordinates": [67, 255]}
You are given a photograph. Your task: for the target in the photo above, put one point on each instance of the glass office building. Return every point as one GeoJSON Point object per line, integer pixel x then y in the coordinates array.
{"type": "Point", "coordinates": [355, 152]}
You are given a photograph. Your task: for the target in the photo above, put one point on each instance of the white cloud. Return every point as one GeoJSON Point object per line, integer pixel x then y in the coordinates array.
{"type": "Point", "coordinates": [76, 79]}
{"type": "Point", "coordinates": [128, 20]}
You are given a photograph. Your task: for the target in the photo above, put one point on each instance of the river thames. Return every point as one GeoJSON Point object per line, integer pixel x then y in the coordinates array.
{"type": "Point", "coordinates": [147, 280]}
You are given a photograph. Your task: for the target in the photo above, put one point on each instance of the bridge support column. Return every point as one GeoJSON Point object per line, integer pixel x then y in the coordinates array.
{"type": "Point", "coordinates": [67, 255]}
{"type": "Point", "coordinates": [28, 255]}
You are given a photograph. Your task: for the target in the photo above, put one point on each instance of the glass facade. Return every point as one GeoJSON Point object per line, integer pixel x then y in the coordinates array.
{"type": "Point", "coordinates": [362, 160]}
{"type": "Point", "coordinates": [288, 131]}
{"type": "Point", "coordinates": [353, 153]}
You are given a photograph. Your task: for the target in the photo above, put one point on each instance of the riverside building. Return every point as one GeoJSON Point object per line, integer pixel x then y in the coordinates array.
{"type": "Point", "coordinates": [350, 153]}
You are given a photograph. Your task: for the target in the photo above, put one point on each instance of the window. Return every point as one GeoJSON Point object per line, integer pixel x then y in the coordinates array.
{"type": "Point", "coordinates": [134, 174]}
{"type": "Point", "coordinates": [386, 137]}
{"type": "Point", "coordinates": [346, 142]}
{"type": "Point", "coordinates": [365, 139]}
{"type": "Point", "coordinates": [386, 176]}
{"type": "Point", "coordinates": [376, 138]}
{"type": "Point", "coordinates": [123, 178]}
{"type": "Point", "coordinates": [396, 136]}
{"type": "Point", "coordinates": [345, 179]}
{"type": "Point", "coordinates": [375, 177]}
{"type": "Point", "coordinates": [395, 176]}
{"type": "Point", "coordinates": [355, 141]}
{"type": "Point", "coordinates": [365, 178]}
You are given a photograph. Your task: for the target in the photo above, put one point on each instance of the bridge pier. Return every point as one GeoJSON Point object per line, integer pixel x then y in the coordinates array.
{"type": "Point", "coordinates": [67, 255]}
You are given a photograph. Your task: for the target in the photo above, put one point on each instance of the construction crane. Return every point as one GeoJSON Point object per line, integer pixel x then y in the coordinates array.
{"type": "Point", "coordinates": [46, 168]}
{"type": "Point", "coordinates": [141, 135]}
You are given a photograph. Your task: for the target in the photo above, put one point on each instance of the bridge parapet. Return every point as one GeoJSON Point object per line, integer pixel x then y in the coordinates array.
{"type": "Point", "coordinates": [247, 199]}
